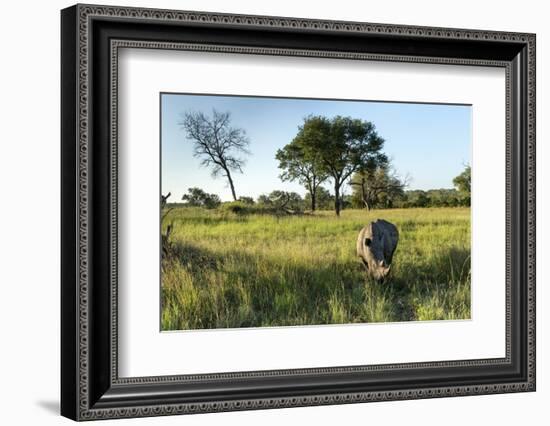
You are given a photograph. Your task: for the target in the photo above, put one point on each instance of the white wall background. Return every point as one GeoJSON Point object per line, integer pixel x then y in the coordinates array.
{"type": "Point", "coordinates": [29, 213]}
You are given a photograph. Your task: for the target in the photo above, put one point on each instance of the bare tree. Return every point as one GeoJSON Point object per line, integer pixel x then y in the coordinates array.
{"type": "Point", "coordinates": [165, 237]}
{"type": "Point", "coordinates": [217, 143]}
{"type": "Point", "coordinates": [164, 200]}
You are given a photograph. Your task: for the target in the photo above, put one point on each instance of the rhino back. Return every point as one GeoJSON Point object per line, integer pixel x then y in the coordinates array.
{"type": "Point", "coordinates": [390, 237]}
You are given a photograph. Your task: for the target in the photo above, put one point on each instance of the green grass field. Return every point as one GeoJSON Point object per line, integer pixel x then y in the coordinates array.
{"type": "Point", "coordinates": [226, 270]}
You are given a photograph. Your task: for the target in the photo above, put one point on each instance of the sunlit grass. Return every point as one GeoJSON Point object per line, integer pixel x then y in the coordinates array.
{"type": "Point", "coordinates": [226, 270]}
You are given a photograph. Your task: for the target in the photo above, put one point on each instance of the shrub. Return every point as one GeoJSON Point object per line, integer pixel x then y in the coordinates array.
{"type": "Point", "coordinates": [196, 197]}
{"type": "Point", "coordinates": [247, 200]}
{"type": "Point", "coordinates": [237, 207]}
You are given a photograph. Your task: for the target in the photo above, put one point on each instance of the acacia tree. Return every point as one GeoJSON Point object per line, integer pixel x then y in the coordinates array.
{"type": "Point", "coordinates": [217, 143]}
{"type": "Point", "coordinates": [371, 185]}
{"type": "Point", "coordinates": [297, 166]}
{"type": "Point", "coordinates": [339, 147]}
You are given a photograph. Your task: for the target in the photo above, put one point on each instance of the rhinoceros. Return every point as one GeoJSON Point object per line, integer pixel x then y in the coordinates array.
{"type": "Point", "coordinates": [376, 244]}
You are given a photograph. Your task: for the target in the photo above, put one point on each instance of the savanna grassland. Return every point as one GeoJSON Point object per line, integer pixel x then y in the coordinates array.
{"type": "Point", "coordinates": [225, 270]}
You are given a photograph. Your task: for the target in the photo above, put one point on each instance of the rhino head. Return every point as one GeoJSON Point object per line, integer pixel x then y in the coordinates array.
{"type": "Point", "coordinates": [376, 244]}
{"type": "Point", "coordinates": [374, 260]}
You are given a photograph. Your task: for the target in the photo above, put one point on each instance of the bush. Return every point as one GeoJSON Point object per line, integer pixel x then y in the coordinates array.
{"type": "Point", "coordinates": [281, 200]}
{"type": "Point", "coordinates": [237, 207]}
{"type": "Point", "coordinates": [241, 208]}
{"type": "Point", "coordinates": [196, 197]}
{"type": "Point", "coordinates": [247, 200]}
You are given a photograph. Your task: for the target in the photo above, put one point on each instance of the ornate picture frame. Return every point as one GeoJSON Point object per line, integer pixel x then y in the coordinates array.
{"type": "Point", "coordinates": [91, 37]}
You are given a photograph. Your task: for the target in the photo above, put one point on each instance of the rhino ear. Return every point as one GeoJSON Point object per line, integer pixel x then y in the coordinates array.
{"type": "Point", "coordinates": [367, 241]}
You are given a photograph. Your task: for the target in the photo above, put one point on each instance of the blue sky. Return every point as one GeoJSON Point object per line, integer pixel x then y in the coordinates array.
{"type": "Point", "coordinates": [429, 142]}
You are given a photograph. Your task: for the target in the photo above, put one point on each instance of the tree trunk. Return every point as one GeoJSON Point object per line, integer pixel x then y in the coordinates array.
{"type": "Point", "coordinates": [313, 194]}
{"type": "Point", "coordinates": [231, 184]}
{"type": "Point", "coordinates": [337, 204]}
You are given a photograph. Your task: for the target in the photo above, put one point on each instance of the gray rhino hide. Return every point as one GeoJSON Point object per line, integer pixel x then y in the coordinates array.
{"type": "Point", "coordinates": [376, 244]}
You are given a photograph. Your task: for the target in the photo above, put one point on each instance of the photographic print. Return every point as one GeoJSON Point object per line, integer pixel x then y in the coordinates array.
{"type": "Point", "coordinates": [300, 192]}
{"type": "Point", "coordinates": [293, 212]}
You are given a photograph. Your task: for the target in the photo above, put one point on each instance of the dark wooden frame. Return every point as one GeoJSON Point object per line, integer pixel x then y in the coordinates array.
{"type": "Point", "coordinates": [90, 386]}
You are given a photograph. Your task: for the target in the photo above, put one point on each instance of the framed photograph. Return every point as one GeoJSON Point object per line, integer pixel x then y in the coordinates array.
{"type": "Point", "coordinates": [263, 212]}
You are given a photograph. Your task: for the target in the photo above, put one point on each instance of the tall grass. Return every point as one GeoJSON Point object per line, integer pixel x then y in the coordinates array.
{"type": "Point", "coordinates": [226, 270]}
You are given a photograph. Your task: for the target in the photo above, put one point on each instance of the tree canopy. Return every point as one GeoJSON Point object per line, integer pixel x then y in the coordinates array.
{"type": "Point", "coordinates": [338, 147]}
{"type": "Point", "coordinates": [297, 165]}
{"type": "Point", "coordinates": [463, 182]}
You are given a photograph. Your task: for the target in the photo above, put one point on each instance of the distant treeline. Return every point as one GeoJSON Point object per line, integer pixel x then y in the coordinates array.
{"type": "Point", "coordinates": [292, 202]}
{"type": "Point", "coordinates": [434, 198]}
